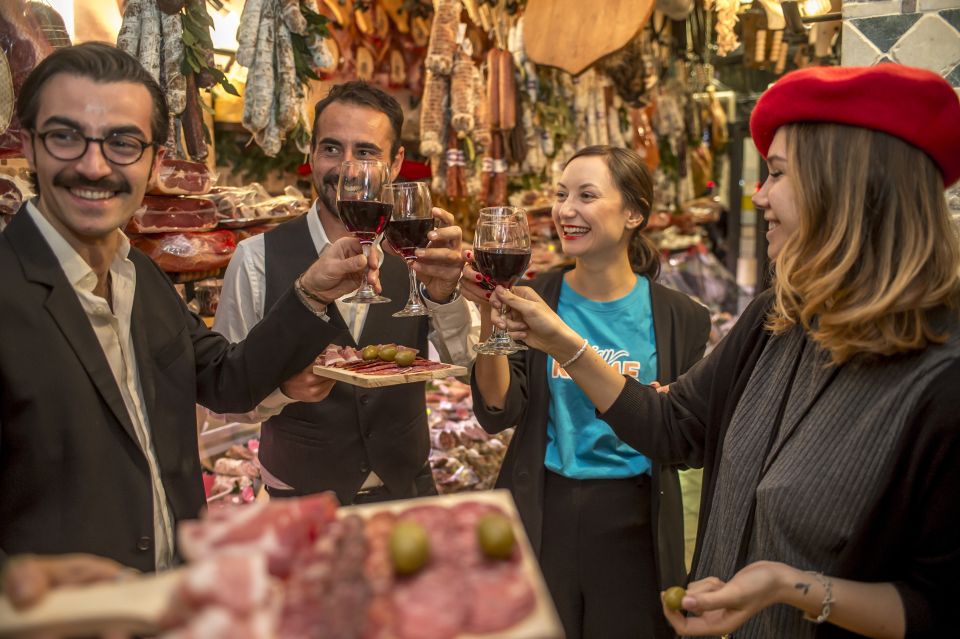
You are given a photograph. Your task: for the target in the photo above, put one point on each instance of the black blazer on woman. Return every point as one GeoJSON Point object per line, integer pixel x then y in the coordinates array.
{"type": "Point", "coordinates": [681, 327]}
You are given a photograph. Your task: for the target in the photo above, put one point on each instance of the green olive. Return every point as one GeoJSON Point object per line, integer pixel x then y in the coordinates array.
{"type": "Point", "coordinates": [495, 533]}
{"type": "Point", "coordinates": [405, 357]}
{"type": "Point", "coordinates": [388, 352]}
{"type": "Point", "coordinates": [409, 547]}
{"type": "Point", "coordinates": [673, 597]}
{"type": "Point", "coordinates": [370, 352]}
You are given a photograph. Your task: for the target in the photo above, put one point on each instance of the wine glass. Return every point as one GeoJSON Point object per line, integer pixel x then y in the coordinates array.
{"type": "Point", "coordinates": [364, 213]}
{"type": "Point", "coordinates": [501, 252]}
{"type": "Point", "coordinates": [407, 231]}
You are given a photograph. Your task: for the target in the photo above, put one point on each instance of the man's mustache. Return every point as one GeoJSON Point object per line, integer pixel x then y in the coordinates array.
{"type": "Point", "coordinates": [70, 180]}
{"type": "Point", "coordinates": [331, 179]}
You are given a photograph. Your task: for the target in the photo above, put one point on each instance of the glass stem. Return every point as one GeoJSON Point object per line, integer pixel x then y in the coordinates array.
{"type": "Point", "coordinates": [415, 299]}
{"type": "Point", "coordinates": [500, 334]}
{"type": "Point", "coordinates": [365, 284]}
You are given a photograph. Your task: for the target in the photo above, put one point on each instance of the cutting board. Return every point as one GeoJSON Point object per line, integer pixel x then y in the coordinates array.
{"type": "Point", "coordinates": [573, 34]}
{"type": "Point", "coordinates": [378, 381]}
{"type": "Point", "coordinates": [136, 605]}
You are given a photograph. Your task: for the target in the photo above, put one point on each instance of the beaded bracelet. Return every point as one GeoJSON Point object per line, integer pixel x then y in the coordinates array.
{"type": "Point", "coordinates": [577, 355]}
{"type": "Point", "coordinates": [827, 597]}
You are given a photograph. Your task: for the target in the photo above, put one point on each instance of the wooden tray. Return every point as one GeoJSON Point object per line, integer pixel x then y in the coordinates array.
{"type": "Point", "coordinates": [137, 605]}
{"type": "Point", "coordinates": [376, 381]}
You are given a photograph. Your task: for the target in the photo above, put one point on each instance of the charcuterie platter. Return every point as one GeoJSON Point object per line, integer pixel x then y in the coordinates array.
{"type": "Point", "coordinates": [352, 568]}
{"type": "Point", "coordinates": [376, 366]}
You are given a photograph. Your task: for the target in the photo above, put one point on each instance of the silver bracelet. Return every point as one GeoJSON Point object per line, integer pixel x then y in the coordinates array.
{"type": "Point", "coordinates": [827, 597]}
{"type": "Point", "coordinates": [308, 299]}
{"type": "Point", "coordinates": [576, 356]}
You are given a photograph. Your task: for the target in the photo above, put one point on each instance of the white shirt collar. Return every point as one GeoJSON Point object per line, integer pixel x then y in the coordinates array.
{"type": "Point", "coordinates": [78, 272]}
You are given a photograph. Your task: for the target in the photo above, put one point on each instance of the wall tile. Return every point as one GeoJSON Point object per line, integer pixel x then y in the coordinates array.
{"type": "Point", "coordinates": [954, 76]}
{"type": "Point", "coordinates": [857, 51]}
{"type": "Point", "coordinates": [933, 5]}
{"type": "Point", "coordinates": [931, 43]}
{"type": "Point", "coordinates": [866, 9]}
{"type": "Point", "coordinates": [952, 16]}
{"type": "Point", "coordinates": [884, 31]}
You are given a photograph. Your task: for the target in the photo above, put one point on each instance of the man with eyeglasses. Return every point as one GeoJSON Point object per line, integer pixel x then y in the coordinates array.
{"type": "Point", "coordinates": [101, 363]}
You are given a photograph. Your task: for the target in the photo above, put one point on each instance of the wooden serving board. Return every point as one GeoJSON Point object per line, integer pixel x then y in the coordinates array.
{"type": "Point", "coordinates": [137, 605]}
{"type": "Point", "coordinates": [133, 606]}
{"type": "Point", "coordinates": [376, 381]}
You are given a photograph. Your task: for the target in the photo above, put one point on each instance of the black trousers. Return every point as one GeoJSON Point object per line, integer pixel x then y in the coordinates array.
{"type": "Point", "coordinates": [423, 485]}
{"type": "Point", "coordinates": [598, 558]}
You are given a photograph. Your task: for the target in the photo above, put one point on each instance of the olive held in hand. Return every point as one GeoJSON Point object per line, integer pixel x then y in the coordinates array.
{"type": "Point", "coordinates": [388, 352]}
{"type": "Point", "coordinates": [370, 352]}
{"type": "Point", "coordinates": [673, 597]}
{"type": "Point", "coordinates": [409, 547]}
{"type": "Point", "coordinates": [495, 534]}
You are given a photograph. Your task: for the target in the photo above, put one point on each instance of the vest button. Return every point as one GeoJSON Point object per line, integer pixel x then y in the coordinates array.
{"type": "Point", "coordinates": [144, 543]}
{"type": "Point", "coordinates": [364, 399]}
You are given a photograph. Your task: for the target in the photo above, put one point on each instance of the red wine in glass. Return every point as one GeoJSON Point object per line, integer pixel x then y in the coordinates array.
{"type": "Point", "coordinates": [502, 266]}
{"type": "Point", "coordinates": [365, 220]}
{"type": "Point", "coordinates": [501, 251]}
{"type": "Point", "coordinates": [364, 212]}
{"type": "Point", "coordinates": [406, 235]}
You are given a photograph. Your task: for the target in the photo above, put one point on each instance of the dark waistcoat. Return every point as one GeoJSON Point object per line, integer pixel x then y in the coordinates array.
{"type": "Point", "coordinates": [335, 443]}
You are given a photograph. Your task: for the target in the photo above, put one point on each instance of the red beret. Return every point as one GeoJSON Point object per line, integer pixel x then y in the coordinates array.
{"type": "Point", "coordinates": [915, 105]}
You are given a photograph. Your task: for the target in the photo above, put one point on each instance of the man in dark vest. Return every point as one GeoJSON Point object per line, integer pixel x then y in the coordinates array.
{"type": "Point", "coordinates": [364, 444]}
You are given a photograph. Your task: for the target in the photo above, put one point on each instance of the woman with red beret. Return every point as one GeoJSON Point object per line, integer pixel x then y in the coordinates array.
{"type": "Point", "coordinates": [826, 422]}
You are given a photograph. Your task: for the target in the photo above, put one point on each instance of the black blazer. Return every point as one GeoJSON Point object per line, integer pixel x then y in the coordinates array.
{"type": "Point", "coordinates": [72, 475]}
{"type": "Point", "coordinates": [681, 327]}
{"type": "Point", "coordinates": [335, 443]}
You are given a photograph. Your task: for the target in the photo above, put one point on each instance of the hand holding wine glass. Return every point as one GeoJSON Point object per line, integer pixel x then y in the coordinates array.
{"type": "Point", "coordinates": [362, 210]}
{"type": "Point", "coordinates": [501, 253]}
{"type": "Point", "coordinates": [408, 230]}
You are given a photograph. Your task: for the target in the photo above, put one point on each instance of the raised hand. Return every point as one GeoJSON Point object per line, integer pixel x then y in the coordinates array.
{"type": "Point", "coordinates": [474, 286]}
{"type": "Point", "coordinates": [530, 319]}
{"type": "Point", "coordinates": [439, 265]}
{"type": "Point", "coordinates": [339, 270]}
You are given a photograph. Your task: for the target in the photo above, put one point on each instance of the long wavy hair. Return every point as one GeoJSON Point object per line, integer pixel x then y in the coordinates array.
{"type": "Point", "coordinates": [635, 184]}
{"type": "Point", "coordinates": [876, 250]}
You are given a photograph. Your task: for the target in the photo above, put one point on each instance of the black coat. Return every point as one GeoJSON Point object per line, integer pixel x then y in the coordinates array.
{"type": "Point", "coordinates": [72, 476]}
{"type": "Point", "coordinates": [909, 537]}
{"type": "Point", "coordinates": [681, 327]}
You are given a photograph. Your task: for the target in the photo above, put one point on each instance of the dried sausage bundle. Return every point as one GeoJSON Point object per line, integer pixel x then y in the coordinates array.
{"type": "Point", "coordinates": [433, 124]}
{"type": "Point", "coordinates": [268, 45]}
{"type": "Point", "coordinates": [443, 36]}
{"type": "Point", "coordinates": [462, 96]}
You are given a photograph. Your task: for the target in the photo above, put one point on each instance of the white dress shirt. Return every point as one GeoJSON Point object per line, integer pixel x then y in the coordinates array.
{"type": "Point", "coordinates": [113, 332]}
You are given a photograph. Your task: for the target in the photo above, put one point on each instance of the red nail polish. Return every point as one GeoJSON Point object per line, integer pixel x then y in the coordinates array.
{"type": "Point", "coordinates": [488, 295]}
{"type": "Point", "coordinates": [479, 277]}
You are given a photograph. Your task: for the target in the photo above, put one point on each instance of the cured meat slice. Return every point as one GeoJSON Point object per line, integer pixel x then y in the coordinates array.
{"type": "Point", "coordinates": [163, 214]}
{"type": "Point", "coordinates": [188, 252]}
{"type": "Point", "coordinates": [500, 597]}
{"type": "Point", "coordinates": [182, 177]}
{"type": "Point", "coordinates": [432, 604]}
{"type": "Point", "coordinates": [234, 580]}
{"type": "Point", "coordinates": [280, 530]}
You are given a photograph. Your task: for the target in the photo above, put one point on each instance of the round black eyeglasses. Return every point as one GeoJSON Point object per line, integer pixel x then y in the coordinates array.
{"type": "Point", "coordinates": [118, 148]}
